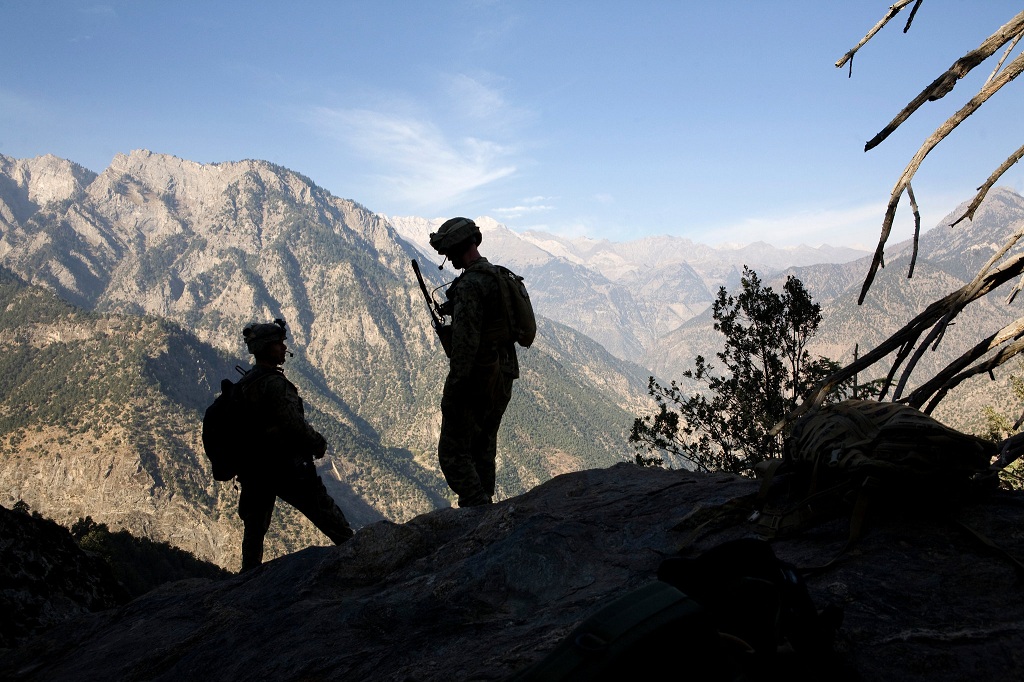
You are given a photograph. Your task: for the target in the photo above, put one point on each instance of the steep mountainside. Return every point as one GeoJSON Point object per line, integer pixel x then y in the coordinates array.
{"type": "Point", "coordinates": [100, 415]}
{"type": "Point", "coordinates": [211, 247]}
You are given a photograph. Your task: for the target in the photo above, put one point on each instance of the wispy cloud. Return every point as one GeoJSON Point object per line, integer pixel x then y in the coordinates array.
{"type": "Point", "coordinates": [528, 205]}
{"type": "Point", "coordinates": [414, 156]}
{"type": "Point", "coordinates": [479, 98]}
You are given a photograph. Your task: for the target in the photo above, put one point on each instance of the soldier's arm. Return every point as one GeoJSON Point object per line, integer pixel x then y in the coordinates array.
{"type": "Point", "coordinates": [286, 416]}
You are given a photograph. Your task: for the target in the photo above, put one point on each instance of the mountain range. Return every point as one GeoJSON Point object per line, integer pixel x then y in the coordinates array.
{"type": "Point", "coordinates": [123, 293]}
{"type": "Point", "coordinates": [150, 269]}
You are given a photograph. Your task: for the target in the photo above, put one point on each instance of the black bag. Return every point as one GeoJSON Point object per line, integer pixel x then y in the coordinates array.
{"type": "Point", "coordinates": [754, 596]}
{"type": "Point", "coordinates": [226, 430]}
{"type": "Point", "coordinates": [723, 616]}
{"type": "Point", "coordinates": [642, 633]}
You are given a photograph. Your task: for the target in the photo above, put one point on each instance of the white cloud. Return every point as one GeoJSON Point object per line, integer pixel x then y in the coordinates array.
{"type": "Point", "coordinates": [414, 157]}
{"type": "Point", "coordinates": [528, 205]}
{"type": "Point", "coordinates": [476, 99]}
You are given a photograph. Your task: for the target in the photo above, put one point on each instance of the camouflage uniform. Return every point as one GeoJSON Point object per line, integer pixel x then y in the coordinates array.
{"type": "Point", "coordinates": [281, 464]}
{"type": "Point", "coordinates": [479, 384]}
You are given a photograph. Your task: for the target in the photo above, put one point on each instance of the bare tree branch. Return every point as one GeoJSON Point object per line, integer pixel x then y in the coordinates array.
{"type": "Point", "coordinates": [913, 13]}
{"type": "Point", "coordinates": [954, 371]}
{"type": "Point", "coordinates": [1012, 71]}
{"type": "Point", "coordinates": [1005, 353]}
{"type": "Point", "coordinates": [942, 85]}
{"type": "Point", "coordinates": [967, 293]}
{"type": "Point", "coordinates": [906, 337]}
{"type": "Point", "coordinates": [983, 190]}
{"type": "Point", "coordinates": [917, 227]}
{"type": "Point", "coordinates": [1006, 53]}
{"type": "Point", "coordinates": [893, 11]}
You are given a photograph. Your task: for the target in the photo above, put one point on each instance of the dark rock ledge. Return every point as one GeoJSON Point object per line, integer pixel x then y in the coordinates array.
{"type": "Point", "coordinates": [476, 594]}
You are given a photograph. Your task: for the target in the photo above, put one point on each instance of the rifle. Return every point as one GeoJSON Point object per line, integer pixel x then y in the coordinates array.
{"type": "Point", "coordinates": [444, 332]}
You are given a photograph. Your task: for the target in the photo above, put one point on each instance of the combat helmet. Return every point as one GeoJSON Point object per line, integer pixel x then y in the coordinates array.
{"type": "Point", "coordinates": [259, 335]}
{"type": "Point", "coordinates": [454, 232]}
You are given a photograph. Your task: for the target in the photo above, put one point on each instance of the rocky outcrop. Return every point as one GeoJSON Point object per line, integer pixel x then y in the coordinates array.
{"type": "Point", "coordinates": [477, 594]}
{"type": "Point", "coordinates": [46, 579]}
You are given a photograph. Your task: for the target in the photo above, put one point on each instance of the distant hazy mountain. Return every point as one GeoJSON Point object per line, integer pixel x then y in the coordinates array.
{"type": "Point", "coordinates": [626, 295]}
{"type": "Point", "coordinates": [156, 240]}
{"type": "Point", "coordinates": [649, 298]}
{"type": "Point", "coordinates": [948, 258]}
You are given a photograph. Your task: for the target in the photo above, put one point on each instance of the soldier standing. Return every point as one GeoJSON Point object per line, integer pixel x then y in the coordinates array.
{"type": "Point", "coordinates": [483, 366]}
{"type": "Point", "coordinates": [283, 447]}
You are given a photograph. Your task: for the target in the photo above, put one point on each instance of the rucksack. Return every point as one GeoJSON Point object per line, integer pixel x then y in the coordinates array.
{"type": "Point", "coordinates": [761, 602]}
{"type": "Point", "coordinates": [636, 635]}
{"type": "Point", "coordinates": [755, 596]}
{"type": "Point", "coordinates": [519, 323]}
{"type": "Point", "coordinates": [522, 322]}
{"type": "Point", "coordinates": [842, 455]}
{"type": "Point", "coordinates": [226, 426]}
{"type": "Point", "coordinates": [723, 616]}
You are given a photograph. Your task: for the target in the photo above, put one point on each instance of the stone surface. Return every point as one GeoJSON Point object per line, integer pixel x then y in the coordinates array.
{"type": "Point", "coordinates": [476, 594]}
{"type": "Point", "coordinates": [46, 579]}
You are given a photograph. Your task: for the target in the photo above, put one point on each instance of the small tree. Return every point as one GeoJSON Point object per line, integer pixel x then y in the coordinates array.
{"type": "Point", "coordinates": [999, 427]}
{"type": "Point", "coordinates": [767, 369]}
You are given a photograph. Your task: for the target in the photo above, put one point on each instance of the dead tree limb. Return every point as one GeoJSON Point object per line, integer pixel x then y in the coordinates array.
{"type": "Point", "coordinates": [893, 11]}
{"type": "Point", "coordinates": [1012, 70]}
{"type": "Point", "coordinates": [1006, 53]}
{"type": "Point", "coordinates": [967, 293]}
{"type": "Point", "coordinates": [983, 190]}
{"type": "Point", "coordinates": [917, 229]}
{"type": "Point", "coordinates": [913, 13]}
{"type": "Point", "coordinates": [907, 336]}
{"type": "Point", "coordinates": [943, 85]}
{"type": "Point", "coordinates": [955, 371]}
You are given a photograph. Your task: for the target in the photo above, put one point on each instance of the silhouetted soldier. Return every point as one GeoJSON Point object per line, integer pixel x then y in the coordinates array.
{"type": "Point", "coordinates": [283, 449]}
{"type": "Point", "coordinates": [483, 366]}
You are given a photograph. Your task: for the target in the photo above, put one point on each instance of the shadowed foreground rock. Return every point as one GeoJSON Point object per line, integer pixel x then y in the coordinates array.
{"type": "Point", "coordinates": [476, 594]}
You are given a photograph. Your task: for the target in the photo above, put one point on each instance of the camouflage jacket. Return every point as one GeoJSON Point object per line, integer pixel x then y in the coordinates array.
{"type": "Point", "coordinates": [279, 415]}
{"type": "Point", "coordinates": [478, 326]}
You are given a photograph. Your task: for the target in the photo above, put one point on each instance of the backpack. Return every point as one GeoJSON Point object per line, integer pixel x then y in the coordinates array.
{"type": "Point", "coordinates": [522, 322]}
{"type": "Point", "coordinates": [847, 453]}
{"type": "Point", "coordinates": [636, 635]}
{"type": "Point", "coordinates": [226, 424]}
{"type": "Point", "coordinates": [723, 616]}
{"type": "Point", "coordinates": [761, 603]}
{"type": "Point", "coordinates": [519, 324]}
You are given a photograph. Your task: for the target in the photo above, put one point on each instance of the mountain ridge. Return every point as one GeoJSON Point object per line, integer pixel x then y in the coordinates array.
{"type": "Point", "coordinates": [210, 247]}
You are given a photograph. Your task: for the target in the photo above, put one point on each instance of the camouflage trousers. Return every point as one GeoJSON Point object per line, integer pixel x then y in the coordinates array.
{"type": "Point", "coordinates": [303, 490]}
{"type": "Point", "coordinates": [469, 434]}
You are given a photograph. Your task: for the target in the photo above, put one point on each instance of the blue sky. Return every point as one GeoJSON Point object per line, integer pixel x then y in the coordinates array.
{"type": "Point", "coordinates": [723, 122]}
